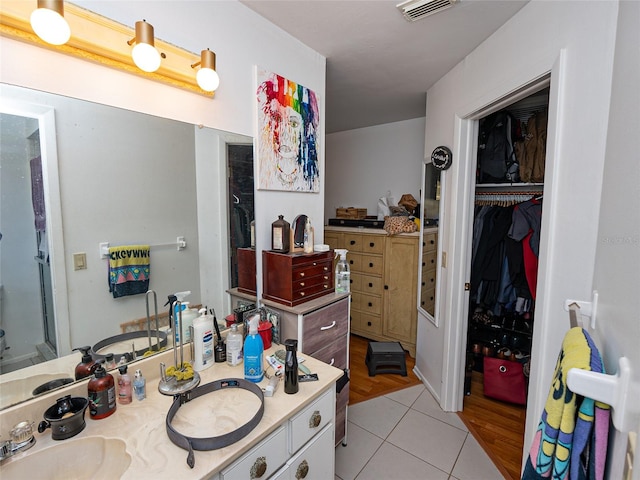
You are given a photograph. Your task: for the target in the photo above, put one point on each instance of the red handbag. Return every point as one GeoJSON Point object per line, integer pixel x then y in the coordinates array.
{"type": "Point", "coordinates": [504, 380]}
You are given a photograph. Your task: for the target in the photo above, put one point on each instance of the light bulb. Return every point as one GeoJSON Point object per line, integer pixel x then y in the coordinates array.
{"type": "Point", "coordinates": [146, 57]}
{"type": "Point", "coordinates": [50, 26]}
{"type": "Point", "coordinates": [208, 79]}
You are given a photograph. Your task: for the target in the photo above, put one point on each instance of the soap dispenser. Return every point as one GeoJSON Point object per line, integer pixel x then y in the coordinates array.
{"type": "Point", "coordinates": [102, 392]}
{"type": "Point", "coordinates": [84, 368]}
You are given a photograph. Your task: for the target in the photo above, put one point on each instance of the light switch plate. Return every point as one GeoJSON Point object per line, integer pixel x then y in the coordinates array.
{"type": "Point", "coordinates": [79, 261]}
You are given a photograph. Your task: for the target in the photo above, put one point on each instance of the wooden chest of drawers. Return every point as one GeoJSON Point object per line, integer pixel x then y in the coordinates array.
{"type": "Point", "coordinates": [295, 278]}
{"type": "Point", "coordinates": [247, 270]}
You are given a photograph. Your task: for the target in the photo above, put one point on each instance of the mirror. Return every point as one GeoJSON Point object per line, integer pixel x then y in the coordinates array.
{"type": "Point", "coordinates": [430, 219]}
{"type": "Point", "coordinates": [109, 175]}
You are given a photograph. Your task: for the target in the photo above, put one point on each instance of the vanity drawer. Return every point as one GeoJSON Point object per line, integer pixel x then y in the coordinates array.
{"type": "Point", "coordinates": [324, 326]}
{"type": "Point", "coordinates": [334, 354]}
{"type": "Point", "coordinates": [308, 271]}
{"type": "Point", "coordinates": [429, 260]}
{"type": "Point", "coordinates": [369, 304]}
{"type": "Point", "coordinates": [267, 457]}
{"type": "Point", "coordinates": [316, 461]}
{"type": "Point", "coordinates": [353, 242]}
{"type": "Point", "coordinates": [373, 244]}
{"type": "Point", "coordinates": [311, 420]}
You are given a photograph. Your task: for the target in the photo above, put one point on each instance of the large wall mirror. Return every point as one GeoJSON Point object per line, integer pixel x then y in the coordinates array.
{"type": "Point", "coordinates": [74, 174]}
{"type": "Point", "coordinates": [429, 221]}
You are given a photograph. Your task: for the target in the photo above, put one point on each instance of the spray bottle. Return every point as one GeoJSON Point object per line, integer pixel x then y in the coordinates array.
{"type": "Point", "coordinates": [188, 315]}
{"type": "Point", "coordinates": [343, 275]}
{"type": "Point", "coordinates": [253, 352]}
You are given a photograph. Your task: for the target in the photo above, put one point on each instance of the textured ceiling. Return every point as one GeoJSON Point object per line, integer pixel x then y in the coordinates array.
{"type": "Point", "coordinates": [379, 66]}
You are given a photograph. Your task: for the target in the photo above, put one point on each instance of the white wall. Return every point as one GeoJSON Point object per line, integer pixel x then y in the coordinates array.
{"type": "Point", "coordinates": [578, 39]}
{"type": "Point", "coordinates": [363, 164]}
{"type": "Point", "coordinates": [241, 40]}
{"type": "Point", "coordinates": [617, 269]}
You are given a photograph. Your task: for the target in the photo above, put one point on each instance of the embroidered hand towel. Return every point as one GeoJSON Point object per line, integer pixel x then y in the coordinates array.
{"type": "Point", "coordinates": [129, 267]}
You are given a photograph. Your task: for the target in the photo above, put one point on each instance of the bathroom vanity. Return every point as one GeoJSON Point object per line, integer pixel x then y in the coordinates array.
{"type": "Point", "coordinates": [295, 435]}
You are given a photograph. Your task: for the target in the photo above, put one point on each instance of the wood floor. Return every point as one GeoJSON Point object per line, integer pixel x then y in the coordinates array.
{"type": "Point", "coordinates": [497, 426]}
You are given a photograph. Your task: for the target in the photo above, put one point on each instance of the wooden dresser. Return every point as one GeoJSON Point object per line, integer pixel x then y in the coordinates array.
{"type": "Point", "coordinates": [321, 327]}
{"type": "Point", "coordinates": [384, 282]}
{"type": "Point", "coordinates": [295, 278]}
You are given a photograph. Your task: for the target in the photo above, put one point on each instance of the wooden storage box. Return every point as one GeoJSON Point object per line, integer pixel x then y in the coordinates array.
{"type": "Point", "coordinates": [351, 212]}
{"type": "Point", "coordinates": [294, 278]}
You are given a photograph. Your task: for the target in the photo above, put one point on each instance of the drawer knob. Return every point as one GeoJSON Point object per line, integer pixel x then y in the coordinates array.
{"type": "Point", "coordinates": [303, 470]}
{"type": "Point", "coordinates": [302, 294]}
{"type": "Point", "coordinates": [386, 287]}
{"type": "Point", "coordinates": [370, 304]}
{"type": "Point", "coordinates": [352, 242]}
{"type": "Point", "coordinates": [259, 468]}
{"type": "Point", "coordinates": [370, 285]}
{"type": "Point", "coordinates": [325, 286]}
{"type": "Point", "coordinates": [351, 262]}
{"type": "Point", "coordinates": [301, 284]}
{"type": "Point", "coordinates": [368, 324]}
{"type": "Point", "coordinates": [326, 268]}
{"type": "Point", "coordinates": [333, 360]}
{"type": "Point", "coordinates": [432, 242]}
{"type": "Point", "coordinates": [372, 244]}
{"type": "Point", "coordinates": [302, 274]}
{"type": "Point", "coordinates": [315, 419]}
{"type": "Point", "coordinates": [370, 264]}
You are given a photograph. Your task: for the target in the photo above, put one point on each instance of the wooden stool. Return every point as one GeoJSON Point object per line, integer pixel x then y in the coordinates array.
{"type": "Point", "coordinates": [386, 357]}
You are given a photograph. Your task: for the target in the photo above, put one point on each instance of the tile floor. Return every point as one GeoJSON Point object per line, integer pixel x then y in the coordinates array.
{"type": "Point", "coordinates": [406, 436]}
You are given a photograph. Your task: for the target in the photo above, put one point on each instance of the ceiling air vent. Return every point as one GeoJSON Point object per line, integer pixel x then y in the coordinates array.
{"type": "Point", "coordinates": [416, 9]}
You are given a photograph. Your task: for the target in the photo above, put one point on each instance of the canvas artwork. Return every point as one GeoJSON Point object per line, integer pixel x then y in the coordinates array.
{"type": "Point", "coordinates": [287, 135]}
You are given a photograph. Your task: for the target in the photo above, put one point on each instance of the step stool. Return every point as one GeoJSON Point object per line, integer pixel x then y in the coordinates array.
{"type": "Point", "coordinates": [386, 357]}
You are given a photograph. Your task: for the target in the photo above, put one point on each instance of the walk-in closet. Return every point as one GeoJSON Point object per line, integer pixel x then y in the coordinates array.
{"type": "Point", "coordinates": [509, 193]}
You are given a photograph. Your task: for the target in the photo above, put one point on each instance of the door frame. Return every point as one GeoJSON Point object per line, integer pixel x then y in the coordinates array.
{"type": "Point", "coordinates": [460, 244]}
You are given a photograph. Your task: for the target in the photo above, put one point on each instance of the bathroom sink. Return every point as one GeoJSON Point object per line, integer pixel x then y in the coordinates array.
{"type": "Point", "coordinates": [91, 457]}
{"type": "Point", "coordinates": [16, 391]}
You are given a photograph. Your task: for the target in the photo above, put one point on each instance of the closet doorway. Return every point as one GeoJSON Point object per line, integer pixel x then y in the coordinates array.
{"type": "Point", "coordinates": [504, 240]}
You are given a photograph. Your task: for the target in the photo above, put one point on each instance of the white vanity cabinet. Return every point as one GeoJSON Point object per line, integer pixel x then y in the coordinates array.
{"type": "Point", "coordinates": [303, 447]}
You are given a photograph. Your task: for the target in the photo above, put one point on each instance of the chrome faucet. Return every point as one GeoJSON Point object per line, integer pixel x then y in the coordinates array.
{"type": "Point", "coordinates": [22, 439]}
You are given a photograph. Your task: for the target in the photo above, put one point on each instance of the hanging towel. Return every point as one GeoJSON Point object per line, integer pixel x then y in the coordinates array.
{"type": "Point", "coordinates": [571, 440]}
{"type": "Point", "coordinates": [129, 270]}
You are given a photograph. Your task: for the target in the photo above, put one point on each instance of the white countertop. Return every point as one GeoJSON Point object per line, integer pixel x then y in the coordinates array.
{"type": "Point", "coordinates": [141, 424]}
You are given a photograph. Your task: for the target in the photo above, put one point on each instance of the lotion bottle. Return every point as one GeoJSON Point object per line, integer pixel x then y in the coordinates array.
{"type": "Point", "coordinates": [203, 341]}
{"type": "Point", "coordinates": [102, 393]}
{"type": "Point", "coordinates": [85, 367]}
{"type": "Point", "coordinates": [124, 386]}
{"type": "Point", "coordinates": [234, 346]}
{"type": "Point", "coordinates": [253, 353]}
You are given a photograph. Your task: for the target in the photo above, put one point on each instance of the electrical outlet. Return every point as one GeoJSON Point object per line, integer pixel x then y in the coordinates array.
{"type": "Point", "coordinates": [444, 259]}
{"type": "Point", "coordinates": [79, 261]}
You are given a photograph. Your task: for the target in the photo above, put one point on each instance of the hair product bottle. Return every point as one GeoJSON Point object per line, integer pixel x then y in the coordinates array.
{"type": "Point", "coordinates": [84, 368]}
{"type": "Point", "coordinates": [124, 386]}
{"type": "Point", "coordinates": [102, 393]}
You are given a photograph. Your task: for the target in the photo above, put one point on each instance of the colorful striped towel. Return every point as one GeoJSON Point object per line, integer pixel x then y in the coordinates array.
{"type": "Point", "coordinates": [571, 439]}
{"type": "Point", "coordinates": [129, 270]}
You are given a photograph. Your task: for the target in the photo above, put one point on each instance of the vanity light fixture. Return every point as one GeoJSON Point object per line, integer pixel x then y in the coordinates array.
{"type": "Point", "coordinates": [207, 77]}
{"type": "Point", "coordinates": [49, 23]}
{"type": "Point", "coordinates": [107, 42]}
{"type": "Point", "coordinates": [144, 53]}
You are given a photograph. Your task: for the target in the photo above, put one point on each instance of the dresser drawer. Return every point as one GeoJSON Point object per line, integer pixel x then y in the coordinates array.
{"type": "Point", "coordinates": [364, 323]}
{"type": "Point", "coordinates": [267, 457]}
{"type": "Point", "coordinates": [429, 241]}
{"type": "Point", "coordinates": [372, 264]}
{"type": "Point", "coordinates": [429, 260]}
{"type": "Point", "coordinates": [311, 420]}
{"type": "Point", "coordinates": [373, 244]}
{"type": "Point", "coordinates": [370, 304]}
{"type": "Point", "coordinates": [370, 285]}
{"type": "Point", "coordinates": [353, 242]}
{"type": "Point", "coordinates": [428, 279]}
{"type": "Point", "coordinates": [355, 262]}
{"type": "Point", "coordinates": [324, 326]}
{"type": "Point", "coordinates": [316, 461]}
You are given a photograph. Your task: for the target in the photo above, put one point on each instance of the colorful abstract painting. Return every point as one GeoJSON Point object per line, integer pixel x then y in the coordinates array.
{"type": "Point", "coordinates": [287, 135]}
